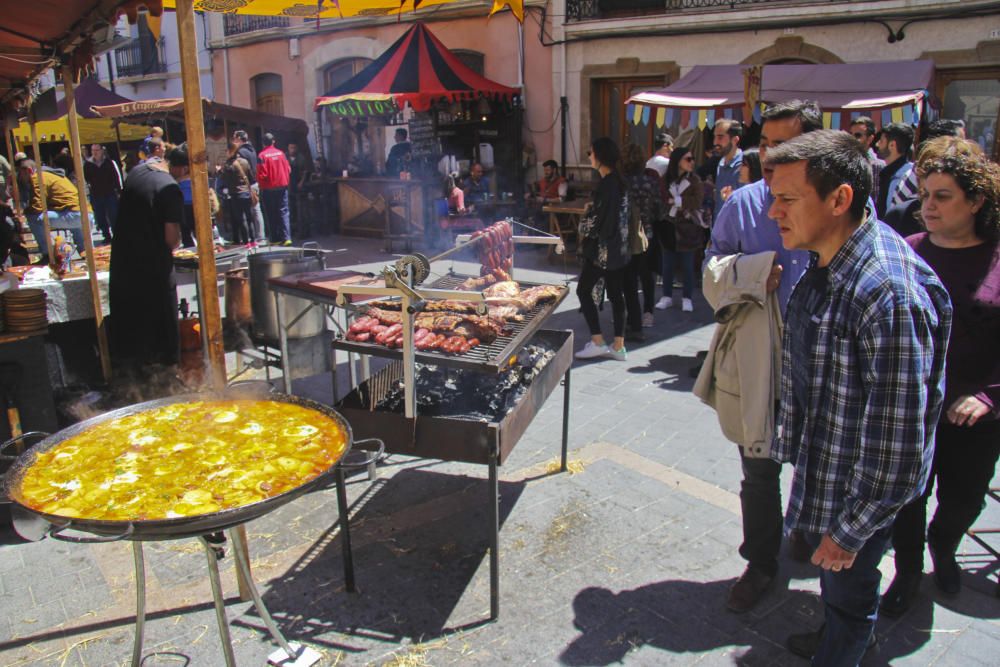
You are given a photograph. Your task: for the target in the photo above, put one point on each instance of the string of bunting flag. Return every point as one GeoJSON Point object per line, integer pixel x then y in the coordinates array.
{"type": "Point", "coordinates": [689, 118]}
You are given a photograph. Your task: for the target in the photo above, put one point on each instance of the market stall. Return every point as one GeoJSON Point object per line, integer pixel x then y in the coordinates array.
{"type": "Point", "coordinates": [93, 128]}
{"type": "Point", "coordinates": [887, 92]}
{"type": "Point", "coordinates": [453, 117]}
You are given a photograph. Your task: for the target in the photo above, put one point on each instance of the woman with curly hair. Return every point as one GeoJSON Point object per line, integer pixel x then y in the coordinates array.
{"type": "Point", "coordinates": [960, 208]}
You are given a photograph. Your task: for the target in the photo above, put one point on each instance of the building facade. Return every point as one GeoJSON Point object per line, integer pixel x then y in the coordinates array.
{"type": "Point", "coordinates": [606, 51]}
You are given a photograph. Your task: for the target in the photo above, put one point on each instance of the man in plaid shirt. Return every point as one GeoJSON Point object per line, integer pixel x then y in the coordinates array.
{"type": "Point", "coordinates": [862, 380]}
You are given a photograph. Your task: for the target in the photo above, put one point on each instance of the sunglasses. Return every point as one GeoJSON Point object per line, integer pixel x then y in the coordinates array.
{"type": "Point", "coordinates": [687, 158]}
{"type": "Point", "coordinates": [860, 135]}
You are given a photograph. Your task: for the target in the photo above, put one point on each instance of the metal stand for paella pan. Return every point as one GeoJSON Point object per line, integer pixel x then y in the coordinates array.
{"type": "Point", "coordinates": [33, 527]}
{"type": "Point", "coordinates": [453, 439]}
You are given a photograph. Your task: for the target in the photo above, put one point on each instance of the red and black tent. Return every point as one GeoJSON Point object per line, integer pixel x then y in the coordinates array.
{"type": "Point", "coordinates": [417, 70]}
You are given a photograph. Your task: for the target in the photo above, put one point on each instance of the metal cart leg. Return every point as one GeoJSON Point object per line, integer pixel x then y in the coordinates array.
{"type": "Point", "coordinates": [286, 373]}
{"type": "Point", "coordinates": [265, 615]}
{"type": "Point", "coordinates": [140, 602]}
{"type": "Point", "coordinates": [565, 428]}
{"type": "Point", "coordinates": [494, 500]}
{"type": "Point", "coordinates": [345, 531]}
{"type": "Point", "coordinates": [220, 603]}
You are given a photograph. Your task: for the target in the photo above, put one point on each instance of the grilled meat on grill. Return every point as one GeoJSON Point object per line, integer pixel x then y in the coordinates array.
{"type": "Point", "coordinates": [471, 326]}
{"type": "Point", "coordinates": [506, 288]}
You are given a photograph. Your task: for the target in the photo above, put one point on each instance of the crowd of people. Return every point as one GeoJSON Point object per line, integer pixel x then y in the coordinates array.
{"type": "Point", "coordinates": [873, 367]}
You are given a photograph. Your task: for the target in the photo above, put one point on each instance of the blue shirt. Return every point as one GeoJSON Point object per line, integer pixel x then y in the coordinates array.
{"type": "Point", "coordinates": [727, 174]}
{"type": "Point", "coordinates": [185, 186]}
{"type": "Point", "coordinates": [862, 437]}
{"type": "Point", "coordinates": [742, 226]}
{"type": "Point", "coordinates": [476, 192]}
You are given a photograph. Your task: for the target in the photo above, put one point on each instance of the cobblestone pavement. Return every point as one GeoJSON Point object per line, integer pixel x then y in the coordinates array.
{"type": "Point", "coordinates": [625, 559]}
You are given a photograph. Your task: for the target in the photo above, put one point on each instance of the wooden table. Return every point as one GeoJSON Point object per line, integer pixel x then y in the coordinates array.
{"type": "Point", "coordinates": [564, 219]}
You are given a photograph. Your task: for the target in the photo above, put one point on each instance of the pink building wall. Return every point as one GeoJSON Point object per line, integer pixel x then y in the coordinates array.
{"type": "Point", "coordinates": [496, 38]}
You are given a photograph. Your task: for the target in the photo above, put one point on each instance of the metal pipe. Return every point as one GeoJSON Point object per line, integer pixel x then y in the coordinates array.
{"type": "Point", "coordinates": [345, 531]}
{"type": "Point", "coordinates": [565, 424]}
{"type": "Point", "coordinates": [244, 566]}
{"type": "Point", "coordinates": [140, 602]}
{"type": "Point", "coordinates": [220, 603]}
{"type": "Point", "coordinates": [286, 363]}
{"type": "Point", "coordinates": [494, 502]}
{"type": "Point", "coordinates": [41, 187]}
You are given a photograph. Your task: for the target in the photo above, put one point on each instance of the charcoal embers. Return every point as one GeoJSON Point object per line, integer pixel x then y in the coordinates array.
{"type": "Point", "coordinates": [446, 392]}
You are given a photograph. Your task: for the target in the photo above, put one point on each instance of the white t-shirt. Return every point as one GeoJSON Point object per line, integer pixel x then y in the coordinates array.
{"type": "Point", "coordinates": [659, 163]}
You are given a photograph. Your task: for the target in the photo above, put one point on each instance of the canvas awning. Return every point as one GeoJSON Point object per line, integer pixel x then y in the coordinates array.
{"type": "Point", "coordinates": [93, 129]}
{"type": "Point", "coordinates": [333, 9]}
{"type": "Point", "coordinates": [147, 109]}
{"type": "Point", "coordinates": [417, 70]}
{"type": "Point", "coordinates": [887, 91]}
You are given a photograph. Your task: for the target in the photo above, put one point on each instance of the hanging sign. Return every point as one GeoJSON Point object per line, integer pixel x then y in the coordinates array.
{"type": "Point", "coordinates": [752, 78]}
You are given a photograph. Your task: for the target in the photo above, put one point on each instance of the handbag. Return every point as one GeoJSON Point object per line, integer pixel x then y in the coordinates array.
{"type": "Point", "coordinates": [638, 242]}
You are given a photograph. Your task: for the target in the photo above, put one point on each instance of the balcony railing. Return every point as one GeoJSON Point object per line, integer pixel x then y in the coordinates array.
{"type": "Point", "coordinates": [586, 10]}
{"type": "Point", "coordinates": [140, 57]}
{"type": "Point", "coordinates": [235, 24]}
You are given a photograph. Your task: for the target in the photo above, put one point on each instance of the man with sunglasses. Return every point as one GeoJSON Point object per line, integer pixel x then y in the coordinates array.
{"type": "Point", "coordinates": [863, 129]}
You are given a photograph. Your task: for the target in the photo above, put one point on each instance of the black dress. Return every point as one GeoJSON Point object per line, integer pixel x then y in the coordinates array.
{"type": "Point", "coordinates": [143, 329]}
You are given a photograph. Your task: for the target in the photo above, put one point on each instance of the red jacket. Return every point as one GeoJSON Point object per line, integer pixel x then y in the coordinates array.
{"type": "Point", "coordinates": [272, 169]}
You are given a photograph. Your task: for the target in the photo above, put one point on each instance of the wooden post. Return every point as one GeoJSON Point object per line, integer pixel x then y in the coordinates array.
{"type": "Point", "coordinates": [11, 150]}
{"type": "Point", "coordinates": [88, 241]}
{"type": "Point", "coordinates": [41, 188]}
{"type": "Point", "coordinates": [194, 118]}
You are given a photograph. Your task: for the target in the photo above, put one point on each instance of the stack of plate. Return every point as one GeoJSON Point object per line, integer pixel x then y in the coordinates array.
{"type": "Point", "coordinates": [24, 310]}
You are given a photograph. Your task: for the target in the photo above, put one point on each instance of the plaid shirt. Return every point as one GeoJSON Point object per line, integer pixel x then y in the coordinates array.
{"type": "Point", "coordinates": [863, 445]}
{"type": "Point", "coordinates": [876, 164]}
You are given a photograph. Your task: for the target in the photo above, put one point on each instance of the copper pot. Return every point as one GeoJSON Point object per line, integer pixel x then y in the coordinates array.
{"type": "Point", "coordinates": [238, 296]}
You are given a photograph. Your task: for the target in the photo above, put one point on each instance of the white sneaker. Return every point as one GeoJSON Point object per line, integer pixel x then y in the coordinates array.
{"type": "Point", "coordinates": [664, 303]}
{"type": "Point", "coordinates": [592, 351]}
{"type": "Point", "coordinates": [618, 355]}
{"type": "Point", "coordinates": [687, 306]}
{"type": "Point", "coordinates": [647, 320]}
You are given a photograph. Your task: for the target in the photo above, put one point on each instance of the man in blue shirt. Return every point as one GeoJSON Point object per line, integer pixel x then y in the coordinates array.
{"type": "Point", "coordinates": [477, 188]}
{"type": "Point", "coordinates": [862, 380]}
{"type": "Point", "coordinates": [727, 136]}
{"type": "Point", "coordinates": [744, 226]}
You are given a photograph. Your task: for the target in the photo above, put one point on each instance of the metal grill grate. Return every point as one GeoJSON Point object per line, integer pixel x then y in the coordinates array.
{"type": "Point", "coordinates": [492, 357]}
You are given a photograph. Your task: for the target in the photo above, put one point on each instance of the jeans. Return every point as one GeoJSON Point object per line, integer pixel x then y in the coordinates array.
{"type": "Point", "coordinates": [257, 224]}
{"type": "Point", "coordinates": [240, 219]}
{"type": "Point", "coordinates": [275, 201]}
{"type": "Point", "coordinates": [760, 501]}
{"type": "Point", "coordinates": [850, 603]}
{"type": "Point", "coordinates": [686, 258]}
{"type": "Point", "coordinates": [614, 284]}
{"type": "Point", "coordinates": [964, 460]}
{"type": "Point", "coordinates": [105, 213]}
{"type": "Point", "coordinates": [639, 272]}
{"type": "Point", "coordinates": [57, 220]}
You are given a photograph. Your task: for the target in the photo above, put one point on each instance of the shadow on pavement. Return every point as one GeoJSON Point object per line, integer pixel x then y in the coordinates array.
{"type": "Point", "coordinates": [673, 369]}
{"type": "Point", "coordinates": [669, 615]}
{"type": "Point", "coordinates": [419, 538]}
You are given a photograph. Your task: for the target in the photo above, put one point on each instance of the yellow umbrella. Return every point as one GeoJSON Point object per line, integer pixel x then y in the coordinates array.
{"type": "Point", "coordinates": [331, 9]}
{"type": "Point", "coordinates": [92, 131]}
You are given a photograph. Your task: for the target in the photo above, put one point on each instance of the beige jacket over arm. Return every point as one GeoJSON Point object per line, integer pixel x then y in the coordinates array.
{"type": "Point", "coordinates": [741, 374]}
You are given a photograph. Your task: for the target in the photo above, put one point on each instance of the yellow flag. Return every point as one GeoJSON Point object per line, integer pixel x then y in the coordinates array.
{"type": "Point", "coordinates": [661, 115]}
{"type": "Point", "coordinates": [154, 25]}
{"type": "Point", "coordinates": [897, 114]}
{"type": "Point", "coordinates": [516, 6]}
{"type": "Point", "coordinates": [827, 120]}
{"type": "Point", "coordinates": [702, 119]}
{"type": "Point", "coordinates": [637, 114]}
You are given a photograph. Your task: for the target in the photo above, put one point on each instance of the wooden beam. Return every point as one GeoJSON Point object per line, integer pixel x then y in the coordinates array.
{"type": "Point", "coordinates": [88, 240]}
{"type": "Point", "coordinates": [194, 118]}
{"type": "Point", "coordinates": [11, 151]}
{"type": "Point", "coordinates": [41, 188]}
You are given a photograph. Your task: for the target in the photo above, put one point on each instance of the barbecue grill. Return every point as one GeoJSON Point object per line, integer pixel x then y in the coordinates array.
{"type": "Point", "coordinates": [455, 438]}
{"type": "Point", "coordinates": [35, 525]}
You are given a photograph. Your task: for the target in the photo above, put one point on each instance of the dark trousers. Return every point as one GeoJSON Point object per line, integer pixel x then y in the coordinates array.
{"type": "Point", "coordinates": [240, 219]}
{"type": "Point", "coordinates": [686, 260]}
{"type": "Point", "coordinates": [105, 212]}
{"type": "Point", "coordinates": [850, 603]}
{"type": "Point", "coordinates": [275, 206]}
{"type": "Point", "coordinates": [614, 285]}
{"type": "Point", "coordinates": [639, 272]}
{"type": "Point", "coordinates": [760, 501]}
{"type": "Point", "coordinates": [964, 460]}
